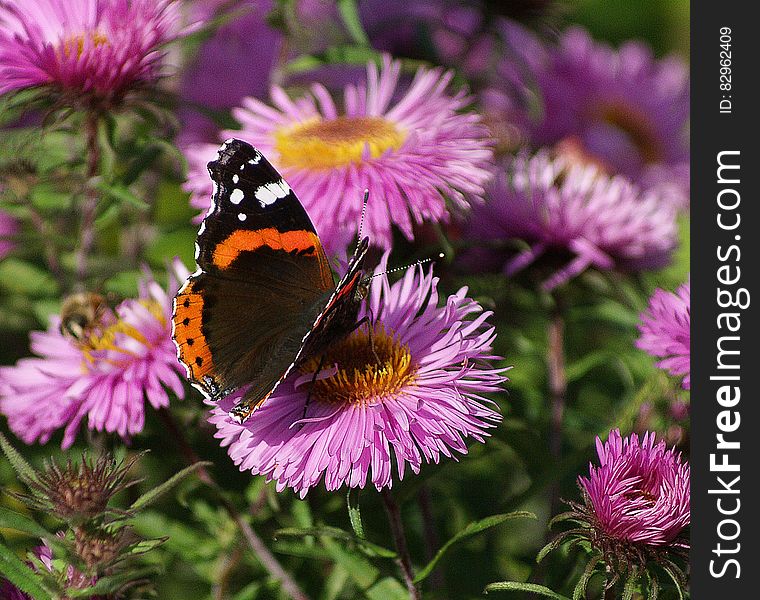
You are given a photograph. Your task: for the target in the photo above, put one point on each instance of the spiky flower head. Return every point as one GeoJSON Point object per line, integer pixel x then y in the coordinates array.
{"type": "Point", "coordinates": [89, 51]}
{"type": "Point", "coordinates": [77, 492]}
{"type": "Point", "coordinates": [635, 508]}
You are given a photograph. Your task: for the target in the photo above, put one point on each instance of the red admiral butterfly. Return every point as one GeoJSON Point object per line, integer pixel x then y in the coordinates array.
{"type": "Point", "coordinates": [263, 300]}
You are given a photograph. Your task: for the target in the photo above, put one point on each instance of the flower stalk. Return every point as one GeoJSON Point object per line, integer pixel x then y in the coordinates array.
{"type": "Point", "coordinates": [404, 560]}
{"type": "Point", "coordinates": [260, 550]}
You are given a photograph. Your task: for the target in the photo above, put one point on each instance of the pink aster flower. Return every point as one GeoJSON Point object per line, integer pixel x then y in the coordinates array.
{"type": "Point", "coordinates": [666, 331]}
{"type": "Point", "coordinates": [627, 109]}
{"type": "Point", "coordinates": [639, 492]}
{"type": "Point", "coordinates": [104, 370]}
{"type": "Point", "coordinates": [99, 48]}
{"type": "Point", "coordinates": [570, 208]}
{"type": "Point", "coordinates": [420, 403]}
{"type": "Point", "coordinates": [414, 150]}
{"type": "Point", "coordinates": [8, 228]}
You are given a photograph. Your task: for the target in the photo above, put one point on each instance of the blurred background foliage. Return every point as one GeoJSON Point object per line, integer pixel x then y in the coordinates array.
{"type": "Point", "coordinates": [609, 381]}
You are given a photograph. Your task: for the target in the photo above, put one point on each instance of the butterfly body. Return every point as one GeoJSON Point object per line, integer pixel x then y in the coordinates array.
{"type": "Point", "coordinates": [263, 299]}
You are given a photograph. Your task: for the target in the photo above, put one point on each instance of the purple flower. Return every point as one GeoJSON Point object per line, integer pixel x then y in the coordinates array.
{"type": "Point", "coordinates": [106, 373]}
{"type": "Point", "coordinates": [666, 331]}
{"type": "Point", "coordinates": [8, 229]}
{"type": "Point", "coordinates": [99, 48]}
{"type": "Point", "coordinates": [639, 493]}
{"type": "Point", "coordinates": [627, 109]}
{"type": "Point", "coordinates": [420, 402]}
{"type": "Point", "coordinates": [568, 207]}
{"type": "Point", "coordinates": [413, 153]}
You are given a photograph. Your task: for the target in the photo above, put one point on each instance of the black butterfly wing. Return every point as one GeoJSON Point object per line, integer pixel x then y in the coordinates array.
{"type": "Point", "coordinates": [262, 277]}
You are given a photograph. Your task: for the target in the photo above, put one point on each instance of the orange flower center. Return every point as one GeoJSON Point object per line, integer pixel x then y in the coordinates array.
{"type": "Point", "coordinates": [74, 45]}
{"type": "Point", "coordinates": [105, 338]}
{"type": "Point", "coordinates": [363, 376]}
{"type": "Point", "coordinates": [318, 144]}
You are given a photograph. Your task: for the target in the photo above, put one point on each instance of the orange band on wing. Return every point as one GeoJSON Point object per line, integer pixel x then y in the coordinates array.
{"type": "Point", "coordinates": [245, 240]}
{"type": "Point", "coordinates": [193, 348]}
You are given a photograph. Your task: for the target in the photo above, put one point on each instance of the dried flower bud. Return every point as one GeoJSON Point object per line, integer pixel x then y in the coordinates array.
{"type": "Point", "coordinates": [78, 492]}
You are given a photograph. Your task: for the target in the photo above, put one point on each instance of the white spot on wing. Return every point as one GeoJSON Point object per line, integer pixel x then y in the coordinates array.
{"type": "Point", "coordinates": [271, 192]}
{"type": "Point", "coordinates": [242, 216]}
{"type": "Point", "coordinates": [255, 160]}
{"type": "Point", "coordinates": [235, 178]}
{"type": "Point", "coordinates": [237, 195]}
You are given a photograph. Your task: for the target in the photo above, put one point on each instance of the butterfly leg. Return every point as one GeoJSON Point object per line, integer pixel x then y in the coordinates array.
{"type": "Point", "coordinates": [311, 387]}
{"type": "Point", "coordinates": [370, 331]}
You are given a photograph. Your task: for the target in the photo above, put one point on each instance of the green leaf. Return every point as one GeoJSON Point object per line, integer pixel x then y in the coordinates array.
{"type": "Point", "coordinates": [630, 586]}
{"type": "Point", "coordinates": [122, 193]}
{"type": "Point", "coordinates": [388, 588]}
{"type": "Point", "coordinates": [173, 243]}
{"type": "Point", "coordinates": [369, 548]}
{"type": "Point", "coordinates": [580, 588]}
{"type": "Point", "coordinates": [471, 529]}
{"type": "Point", "coordinates": [19, 464]}
{"type": "Point", "coordinates": [151, 496]}
{"type": "Point", "coordinates": [26, 279]}
{"type": "Point", "coordinates": [350, 16]}
{"type": "Point", "coordinates": [676, 580]}
{"type": "Point", "coordinates": [20, 574]}
{"type": "Point", "coordinates": [516, 586]}
{"type": "Point", "coordinates": [10, 519]}
{"type": "Point", "coordinates": [363, 573]}
{"type": "Point", "coordinates": [46, 197]}
{"type": "Point", "coordinates": [354, 514]}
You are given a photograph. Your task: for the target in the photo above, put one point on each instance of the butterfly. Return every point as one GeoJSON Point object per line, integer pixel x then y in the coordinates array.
{"type": "Point", "coordinates": [263, 300]}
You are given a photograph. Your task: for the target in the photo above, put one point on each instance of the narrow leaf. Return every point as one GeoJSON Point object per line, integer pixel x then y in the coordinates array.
{"type": "Point", "coordinates": [516, 586]}
{"type": "Point", "coordinates": [151, 496]}
{"type": "Point", "coordinates": [471, 529]}
{"type": "Point", "coordinates": [20, 574]}
{"type": "Point", "coordinates": [350, 16]}
{"type": "Point", "coordinates": [630, 585]}
{"type": "Point", "coordinates": [580, 588]}
{"type": "Point", "coordinates": [676, 580]}
{"type": "Point", "coordinates": [19, 464]}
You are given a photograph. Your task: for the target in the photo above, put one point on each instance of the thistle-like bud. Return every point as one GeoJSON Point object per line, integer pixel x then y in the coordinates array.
{"type": "Point", "coordinates": [78, 492]}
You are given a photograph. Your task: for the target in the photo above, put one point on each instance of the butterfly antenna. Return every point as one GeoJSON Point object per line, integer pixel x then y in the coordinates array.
{"type": "Point", "coordinates": [394, 269]}
{"type": "Point", "coordinates": [364, 213]}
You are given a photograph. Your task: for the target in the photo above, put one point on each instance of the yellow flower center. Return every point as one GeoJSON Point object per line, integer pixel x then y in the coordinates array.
{"type": "Point", "coordinates": [318, 144]}
{"type": "Point", "coordinates": [638, 128]}
{"type": "Point", "coordinates": [105, 338]}
{"type": "Point", "coordinates": [74, 45]}
{"type": "Point", "coordinates": [362, 377]}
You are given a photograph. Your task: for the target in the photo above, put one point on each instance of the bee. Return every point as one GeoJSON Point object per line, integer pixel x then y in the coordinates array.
{"type": "Point", "coordinates": [81, 313]}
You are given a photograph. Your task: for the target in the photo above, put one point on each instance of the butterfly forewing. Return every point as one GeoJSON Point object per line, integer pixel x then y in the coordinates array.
{"type": "Point", "coordinates": [240, 320]}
